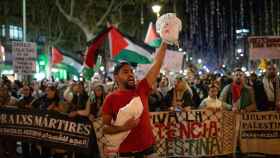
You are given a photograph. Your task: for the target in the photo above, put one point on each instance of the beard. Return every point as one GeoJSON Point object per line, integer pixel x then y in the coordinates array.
{"type": "Point", "coordinates": [272, 75]}
{"type": "Point", "coordinates": [129, 85]}
{"type": "Point", "coordinates": [238, 81]}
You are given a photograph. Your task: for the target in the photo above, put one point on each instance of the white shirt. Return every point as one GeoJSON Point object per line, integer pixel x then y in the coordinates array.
{"type": "Point", "coordinates": [211, 103]}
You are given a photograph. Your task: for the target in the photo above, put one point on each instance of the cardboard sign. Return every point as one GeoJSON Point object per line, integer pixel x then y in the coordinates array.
{"type": "Point", "coordinates": [24, 57]}
{"type": "Point", "coordinates": [267, 47]}
{"type": "Point", "coordinates": [260, 132]}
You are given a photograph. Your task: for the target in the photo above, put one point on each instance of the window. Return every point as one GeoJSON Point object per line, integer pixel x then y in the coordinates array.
{"type": "Point", "coordinates": [15, 32]}
{"type": "Point", "coordinates": [3, 31]}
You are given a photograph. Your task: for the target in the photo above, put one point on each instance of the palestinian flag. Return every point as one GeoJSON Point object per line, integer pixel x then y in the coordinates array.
{"type": "Point", "coordinates": [124, 48]}
{"type": "Point", "coordinates": [96, 43]}
{"type": "Point", "coordinates": [63, 61]}
{"type": "Point", "coordinates": [152, 38]}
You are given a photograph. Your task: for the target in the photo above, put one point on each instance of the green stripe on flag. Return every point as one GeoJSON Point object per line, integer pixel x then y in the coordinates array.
{"type": "Point", "coordinates": [70, 69]}
{"type": "Point", "coordinates": [155, 43]}
{"type": "Point", "coordinates": [88, 72]}
{"type": "Point", "coordinates": [132, 57]}
{"type": "Point", "coordinates": [98, 63]}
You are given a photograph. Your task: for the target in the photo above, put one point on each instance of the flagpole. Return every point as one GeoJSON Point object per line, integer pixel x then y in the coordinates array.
{"type": "Point", "coordinates": [22, 76]}
{"type": "Point", "coordinates": [24, 19]}
{"type": "Point", "coordinates": [49, 74]}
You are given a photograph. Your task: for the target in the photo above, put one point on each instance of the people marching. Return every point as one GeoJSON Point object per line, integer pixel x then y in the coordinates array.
{"type": "Point", "coordinates": [235, 92]}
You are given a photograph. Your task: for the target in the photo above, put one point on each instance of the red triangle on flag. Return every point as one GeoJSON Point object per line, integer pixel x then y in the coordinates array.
{"type": "Point", "coordinates": [117, 42]}
{"type": "Point", "coordinates": [151, 34]}
{"type": "Point", "coordinates": [91, 54]}
{"type": "Point", "coordinates": [57, 56]}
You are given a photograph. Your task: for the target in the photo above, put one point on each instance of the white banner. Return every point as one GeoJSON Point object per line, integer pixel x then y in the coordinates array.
{"type": "Point", "coordinates": [24, 57]}
{"type": "Point", "coordinates": [195, 133]}
{"type": "Point", "coordinates": [260, 132]}
{"type": "Point", "coordinates": [264, 47]}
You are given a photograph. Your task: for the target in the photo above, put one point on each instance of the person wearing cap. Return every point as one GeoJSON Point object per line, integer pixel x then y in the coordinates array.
{"type": "Point", "coordinates": [141, 128]}
{"type": "Point", "coordinates": [238, 94]}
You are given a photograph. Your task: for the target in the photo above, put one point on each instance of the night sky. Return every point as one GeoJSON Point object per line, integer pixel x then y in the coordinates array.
{"type": "Point", "coordinates": [210, 28]}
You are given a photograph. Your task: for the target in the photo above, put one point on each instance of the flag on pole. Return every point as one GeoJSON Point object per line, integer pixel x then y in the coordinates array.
{"type": "Point", "coordinates": [152, 38]}
{"type": "Point", "coordinates": [59, 58]}
{"type": "Point", "coordinates": [124, 48]}
{"type": "Point", "coordinates": [121, 48]}
{"type": "Point", "coordinates": [90, 57]}
{"type": "Point", "coordinates": [88, 72]}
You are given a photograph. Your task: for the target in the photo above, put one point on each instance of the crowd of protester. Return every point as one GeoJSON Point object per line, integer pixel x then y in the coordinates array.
{"type": "Point", "coordinates": [236, 92]}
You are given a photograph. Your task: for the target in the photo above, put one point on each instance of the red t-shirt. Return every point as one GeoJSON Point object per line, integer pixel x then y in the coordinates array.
{"type": "Point", "coordinates": [141, 137]}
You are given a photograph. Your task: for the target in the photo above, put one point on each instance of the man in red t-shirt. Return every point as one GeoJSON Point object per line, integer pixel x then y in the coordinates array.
{"type": "Point", "coordinates": [140, 141]}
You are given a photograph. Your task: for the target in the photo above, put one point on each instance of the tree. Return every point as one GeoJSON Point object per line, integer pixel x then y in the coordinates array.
{"type": "Point", "coordinates": [90, 16]}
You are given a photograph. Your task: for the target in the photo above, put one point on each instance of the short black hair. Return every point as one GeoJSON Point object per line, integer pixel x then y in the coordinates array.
{"type": "Point", "coordinates": [237, 70]}
{"type": "Point", "coordinates": [119, 66]}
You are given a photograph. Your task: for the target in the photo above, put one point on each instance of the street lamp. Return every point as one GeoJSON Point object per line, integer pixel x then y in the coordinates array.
{"type": "Point", "coordinates": [239, 50]}
{"type": "Point", "coordinates": [156, 9]}
{"type": "Point", "coordinates": [199, 61]}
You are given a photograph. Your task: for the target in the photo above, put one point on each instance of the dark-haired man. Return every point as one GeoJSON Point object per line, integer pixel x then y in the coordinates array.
{"type": "Point", "coordinates": [140, 141]}
{"type": "Point", "coordinates": [238, 94]}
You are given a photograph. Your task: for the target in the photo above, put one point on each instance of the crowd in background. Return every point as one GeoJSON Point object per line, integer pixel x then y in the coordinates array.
{"type": "Point", "coordinates": [236, 92]}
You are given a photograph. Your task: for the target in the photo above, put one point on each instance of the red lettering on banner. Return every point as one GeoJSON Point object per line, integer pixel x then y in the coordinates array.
{"type": "Point", "coordinates": [194, 126]}
{"type": "Point", "coordinates": [185, 130]}
{"type": "Point", "coordinates": [204, 129]}
{"type": "Point", "coordinates": [171, 128]}
{"type": "Point", "coordinates": [213, 128]}
{"type": "Point", "coordinates": [160, 129]}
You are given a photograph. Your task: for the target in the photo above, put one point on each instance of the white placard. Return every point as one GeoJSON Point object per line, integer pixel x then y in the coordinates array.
{"type": "Point", "coordinates": [173, 61]}
{"type": "Point", "coordinates": [24, 57]}
{"type": "Point", "coordinates": [264, 47]}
